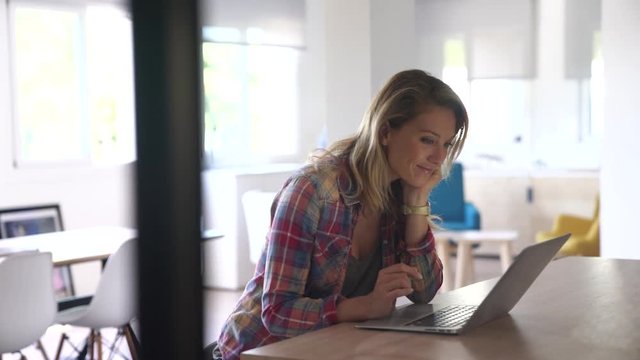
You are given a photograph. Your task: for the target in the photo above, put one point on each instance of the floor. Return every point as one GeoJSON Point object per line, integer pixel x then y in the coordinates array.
{"type": "Point", "coordinates": [217, 305]}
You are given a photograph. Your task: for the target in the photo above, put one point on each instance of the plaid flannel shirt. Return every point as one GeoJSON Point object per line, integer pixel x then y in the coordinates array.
{"type": "Point", "coordinates": [297, 282]}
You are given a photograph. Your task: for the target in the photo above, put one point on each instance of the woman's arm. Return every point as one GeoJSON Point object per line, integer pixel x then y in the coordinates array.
{"type": "Point", "coordinates": [286, 311]}
{"type": "Point", "coordinates": [423, 256]}
{"type": "Point", "coordinates": [419, 243]}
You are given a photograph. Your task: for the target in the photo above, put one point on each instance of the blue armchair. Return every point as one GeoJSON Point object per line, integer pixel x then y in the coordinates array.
{"type": "Point", "coordinates": [448, 202]}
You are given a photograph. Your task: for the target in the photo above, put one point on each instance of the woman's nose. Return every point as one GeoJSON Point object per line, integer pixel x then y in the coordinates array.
{"type": "Point", "coordinates": [438, 155]}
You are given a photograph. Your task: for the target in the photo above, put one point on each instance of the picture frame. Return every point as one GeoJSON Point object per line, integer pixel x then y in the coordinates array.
{"type": "Point", "coordinates": [33, 220]}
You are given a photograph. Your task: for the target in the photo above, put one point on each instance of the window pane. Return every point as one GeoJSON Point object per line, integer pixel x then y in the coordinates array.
{"type": "Point", "coordinates": [73, 75]}
{"type": "Point", "coordinates": [454, 71]}
{"type": "Point", "coordinates": [250, 103]}
{"type": "Point", "coordinates": [110, 83]}
{"type": "Point", "coordinates": [48, 84]}
{"type": "Point", "coordinates": [272, 99]}
{"type": "Point", "coordinates": [501, 105]}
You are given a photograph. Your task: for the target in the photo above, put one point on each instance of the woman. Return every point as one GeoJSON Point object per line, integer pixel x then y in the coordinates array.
{"type": "Point", "coordinates": [351, 231]}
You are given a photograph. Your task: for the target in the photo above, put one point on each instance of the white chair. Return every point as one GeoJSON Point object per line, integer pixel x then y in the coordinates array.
{"type": "Point", "coordinates": [113, 305]}
{"type": "Point", "coordinates": [257, 215]}
{"type": "Point", "coordinates": [27, 302]}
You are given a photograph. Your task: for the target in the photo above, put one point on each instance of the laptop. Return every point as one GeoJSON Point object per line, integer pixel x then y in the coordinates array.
{"type": "Point", "coordinates": [456, 319]}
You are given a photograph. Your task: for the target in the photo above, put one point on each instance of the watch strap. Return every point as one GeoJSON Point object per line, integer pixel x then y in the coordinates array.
{"type": "Point", "coordinates": [424, 210]}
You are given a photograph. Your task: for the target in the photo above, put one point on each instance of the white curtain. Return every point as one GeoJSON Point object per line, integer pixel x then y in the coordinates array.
{"type": "Point", "coordinates": [499, 35]}
{"type": "Point", "coordinates": [264, 22]}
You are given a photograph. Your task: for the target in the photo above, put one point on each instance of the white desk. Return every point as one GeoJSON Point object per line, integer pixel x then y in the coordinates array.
{"type": "Point", "coordinates": [464, 263]}
{"type": "Point", "coordinates": [72, 246]}
{"type": "Point", "coordinates": [80, 245]}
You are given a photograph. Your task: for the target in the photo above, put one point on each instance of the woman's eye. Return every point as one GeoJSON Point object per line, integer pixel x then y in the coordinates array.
{"type": "Point", "coordinates": [427, 140]}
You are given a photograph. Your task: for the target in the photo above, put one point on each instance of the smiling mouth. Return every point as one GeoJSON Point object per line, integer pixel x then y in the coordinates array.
{"type": "Point", "coordinates": [425, 169]}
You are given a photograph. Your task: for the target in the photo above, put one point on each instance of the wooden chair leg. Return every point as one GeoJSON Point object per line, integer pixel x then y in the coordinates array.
{"type": "Point", "coordinates": [40, 347]}
{"type": "Point", "coordinates": [63, 338]}
{"type": "Point", "coordinates": [131, 341]}
{"type": "Point", "coordinates": [98, 341]}
{"type": "Point", "coordinates": [90, 344]}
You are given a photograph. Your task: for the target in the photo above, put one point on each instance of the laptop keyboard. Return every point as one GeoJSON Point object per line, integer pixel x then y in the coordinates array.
{"type": "Point", "coordinates": [450, 316]}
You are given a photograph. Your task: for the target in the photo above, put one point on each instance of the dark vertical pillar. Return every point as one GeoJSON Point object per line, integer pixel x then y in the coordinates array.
{"type": "Point", "coordinates": [167, 51]}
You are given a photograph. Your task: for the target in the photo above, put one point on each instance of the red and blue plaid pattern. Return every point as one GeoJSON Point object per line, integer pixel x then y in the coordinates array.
{"type": "Point", "coordinates": [297, 283]}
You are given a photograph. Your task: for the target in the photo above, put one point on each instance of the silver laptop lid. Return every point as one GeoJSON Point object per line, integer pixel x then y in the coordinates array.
{"type": "Point", "coordinates": [516, 280]}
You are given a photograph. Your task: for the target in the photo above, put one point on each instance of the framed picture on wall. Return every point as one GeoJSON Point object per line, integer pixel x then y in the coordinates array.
{"type": "Point", "coordinates": [30, 221]}
{"type": "Point", "coordinates": [33, 220]}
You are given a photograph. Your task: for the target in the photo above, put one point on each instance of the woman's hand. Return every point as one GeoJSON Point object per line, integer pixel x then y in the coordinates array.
{"type": "Point", "coordinates": [417, 196]}
{"type": "Point", "coordinates": [393, 282]}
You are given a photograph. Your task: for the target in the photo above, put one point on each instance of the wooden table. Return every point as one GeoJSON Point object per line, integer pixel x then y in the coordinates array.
{"type": "Point", "coordinates": [578, 308]}
{"type": "Point", "coordinates": [464, 258]}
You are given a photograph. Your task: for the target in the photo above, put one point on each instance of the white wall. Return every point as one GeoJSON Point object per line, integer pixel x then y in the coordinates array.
{"type": "Point", "coordinates": [553, 99]}
{"type": "Point", "coordinates": [620, 174]}
{"type": "Point", "coordinates": [366, 42]}
{"type": "Point", "coordinates": [313, 95]}
{"type": "Point", "coordinates": [348, 65]}
{"type": "Point", "coordinates": [393, 39]}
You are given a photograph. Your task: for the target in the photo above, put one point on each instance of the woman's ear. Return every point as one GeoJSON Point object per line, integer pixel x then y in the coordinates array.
{"type": "Point", "coordinates": [384, 134]}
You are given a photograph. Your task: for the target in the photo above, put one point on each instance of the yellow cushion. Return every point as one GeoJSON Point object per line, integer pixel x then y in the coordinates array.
{"type": "Point", "coordinates": [585, 234]}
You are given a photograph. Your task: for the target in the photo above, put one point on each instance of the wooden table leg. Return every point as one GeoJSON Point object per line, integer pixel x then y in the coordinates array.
{"type": "Point", "coordinates": [444, 252]}
{"type": "Point", "coordinates": [470, 266]}
{"type": "Point", "coordinates": [505, 255]}
{"type": "Point", "coordinates": [464, 264]}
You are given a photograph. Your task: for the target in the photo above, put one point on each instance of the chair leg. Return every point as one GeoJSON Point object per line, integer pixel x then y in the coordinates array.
{"type": "Point", "coordinates": [40, 347]}
{"type": "Point", "coordinates": [63, 338]}
{"type": "Point", "coordinates": [131, 341]}
{"type": "Point", "coordinates": [90, 344]}
{"type": "Point", "coordinates": [98, 340]}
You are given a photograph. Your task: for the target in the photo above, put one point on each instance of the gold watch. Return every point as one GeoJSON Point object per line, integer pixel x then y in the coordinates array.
{"type": "Point", "coordinates": [424, 210]}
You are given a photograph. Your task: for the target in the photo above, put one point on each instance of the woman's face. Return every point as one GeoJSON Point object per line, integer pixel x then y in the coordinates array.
{"type": "Point", "coordinates": [419, 147]}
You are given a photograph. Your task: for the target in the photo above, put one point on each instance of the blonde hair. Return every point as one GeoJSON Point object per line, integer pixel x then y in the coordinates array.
{"type": "Point", "coordinates": [402, 98]}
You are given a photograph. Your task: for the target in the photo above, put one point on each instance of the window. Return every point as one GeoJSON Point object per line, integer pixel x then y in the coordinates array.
{"type": "Point", "coordinates": [533, 92]}
{"type": "Point", "coordinates": [498, 106]}
{"type": "Point", "coordinates": [72, 78]}
{"type": "Point", "coordinates": [251, 56]}
{"type": "Point", "coordinates": [250, 103]}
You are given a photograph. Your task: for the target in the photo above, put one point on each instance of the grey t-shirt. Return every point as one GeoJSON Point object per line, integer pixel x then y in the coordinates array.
{"type": "Point", "coordinates": [362, 274]}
